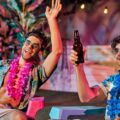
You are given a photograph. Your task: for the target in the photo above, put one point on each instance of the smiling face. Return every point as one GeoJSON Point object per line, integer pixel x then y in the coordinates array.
{"type": "Point", "coordinates": [31, 48]}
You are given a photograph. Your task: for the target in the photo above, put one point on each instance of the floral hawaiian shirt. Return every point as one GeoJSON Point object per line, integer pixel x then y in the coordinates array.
{"type": "Point", "coordinates": [36, 78]}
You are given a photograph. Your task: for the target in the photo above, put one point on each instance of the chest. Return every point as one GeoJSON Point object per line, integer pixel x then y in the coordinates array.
{"type": "Point", "coordinates": [6, 78]}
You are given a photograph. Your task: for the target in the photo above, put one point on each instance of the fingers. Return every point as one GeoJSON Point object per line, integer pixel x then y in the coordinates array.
{"type": "Point", "coordinates": [60, 7]}
{"type": "Point", "coordinates": [73, 57]}
{"type": "Point", "coordinates": [53, 4]}
{"type": "Point", "coordinates": [56, 4]}
{"type": "Point", "coordinates": [48, 10]}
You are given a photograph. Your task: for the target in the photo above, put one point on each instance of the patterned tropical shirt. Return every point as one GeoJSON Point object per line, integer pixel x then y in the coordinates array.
{"type": "Point", "coordinates": [107, 86]}
{"type": "Point", "coordinates": [36, 78]}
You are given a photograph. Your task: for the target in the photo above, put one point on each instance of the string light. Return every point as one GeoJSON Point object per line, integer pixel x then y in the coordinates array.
{"type": "Point", "coordinates": [105, 10]}
{"type": "Point", "coordinates": [82, 6]}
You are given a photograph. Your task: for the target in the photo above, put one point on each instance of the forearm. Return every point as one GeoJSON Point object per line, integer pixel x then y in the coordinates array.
{"type": "Point", "coordinates": [53, 58]}
{"type": "Point", "coordinates": [84, 91]}
{"type": "Point", "coordinates": [55, 36]}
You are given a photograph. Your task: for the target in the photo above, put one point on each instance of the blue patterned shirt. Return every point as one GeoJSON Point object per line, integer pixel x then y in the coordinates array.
{"type": "Point", "coordinates": [106, 86]}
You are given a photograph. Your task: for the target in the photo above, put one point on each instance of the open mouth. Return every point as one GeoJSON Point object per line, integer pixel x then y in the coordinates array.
{"type": "Point", "coordinates": [26, 51]}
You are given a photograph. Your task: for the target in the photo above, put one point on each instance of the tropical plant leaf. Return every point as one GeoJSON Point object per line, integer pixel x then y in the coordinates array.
{"type": "Point", "coordinates": [25, 15]}
{"type": "Point", "coordinates": [29, 2]}
{"type": "Point", "coordinates": [19, 4]}
{"type": "Point", "coordinates": [37, 24]}
{"type": "Point", "coordinates": [41, 15]}
{"type": "Point", "coordinates": [20, 37]}
{"type": "Point", "coordinates": [14, 5]}
{"type": "Point", "coordinates": [30, 20]}
{"type": "Point", "coordinates": [13, 25]}
{"type": "Point", "coordinates": [34, 5]}
{"type": "Point", "coordinates": [8, 7]}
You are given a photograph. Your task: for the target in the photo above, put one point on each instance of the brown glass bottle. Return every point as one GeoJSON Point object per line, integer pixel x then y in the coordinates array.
{"type": "Point", "coordinates": [78, 47]}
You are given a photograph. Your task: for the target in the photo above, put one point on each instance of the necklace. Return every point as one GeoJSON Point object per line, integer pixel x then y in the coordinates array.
{"type": "Point", "coordinates": [15, 88]}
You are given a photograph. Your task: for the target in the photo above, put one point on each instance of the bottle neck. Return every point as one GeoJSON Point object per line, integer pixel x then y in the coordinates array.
{"type": "Point", "coordinates": [76, 40]}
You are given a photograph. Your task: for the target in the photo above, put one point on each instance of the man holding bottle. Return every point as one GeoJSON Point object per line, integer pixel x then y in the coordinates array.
{"type": "Point", "coordinates": [109, 88]}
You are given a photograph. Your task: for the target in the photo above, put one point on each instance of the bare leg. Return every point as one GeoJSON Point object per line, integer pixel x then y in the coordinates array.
{"type": "Point", "coordinates": [15, 115]}
{"type": "Point", "coordinates": [18, 115]}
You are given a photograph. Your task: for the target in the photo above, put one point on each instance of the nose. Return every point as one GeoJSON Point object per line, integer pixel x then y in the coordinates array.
{"type": "Point", "coordinates": [30, 46]}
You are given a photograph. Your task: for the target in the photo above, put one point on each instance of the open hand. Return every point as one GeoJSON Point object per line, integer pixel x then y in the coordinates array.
{"type": "Point", "coordinates": [52, 12]}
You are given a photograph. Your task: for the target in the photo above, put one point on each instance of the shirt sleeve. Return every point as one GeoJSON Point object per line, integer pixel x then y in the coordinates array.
{"type": "Point", "coordinates": [105, 85]}
{"type": "Point", "coordinates": [42, 74]}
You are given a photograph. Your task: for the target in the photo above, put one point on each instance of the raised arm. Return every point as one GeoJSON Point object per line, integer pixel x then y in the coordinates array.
{"type": "Point", "coordinates": [84, 91]}
{"type": "Point", "coordinates": [53, 58]}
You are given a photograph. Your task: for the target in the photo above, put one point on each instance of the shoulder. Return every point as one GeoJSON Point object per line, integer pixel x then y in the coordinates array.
{"type": "Point", "coordinates": [110, 79]}
{"type": "Point", "coordinates": [5, 62]}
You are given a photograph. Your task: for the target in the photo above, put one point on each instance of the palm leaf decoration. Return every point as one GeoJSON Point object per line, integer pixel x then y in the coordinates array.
{"type": "Point", "coordinates": [26, 11]}
{"type": "Point", "coordinates": [24, 15]}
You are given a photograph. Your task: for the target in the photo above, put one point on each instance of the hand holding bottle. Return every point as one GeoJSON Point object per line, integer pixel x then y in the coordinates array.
{"type": "Point", "coordinates": [78, 47]}
{"type": "Point", "coordinates": [73, 57]}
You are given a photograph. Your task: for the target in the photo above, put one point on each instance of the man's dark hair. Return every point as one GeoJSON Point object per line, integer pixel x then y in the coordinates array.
{"type": "Point", "coordinates": [40, 35]}
{"type": "Point", "coordinates": [114, 42]}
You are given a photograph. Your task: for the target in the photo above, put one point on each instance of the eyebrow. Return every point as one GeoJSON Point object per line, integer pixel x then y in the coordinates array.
{"type": "Point", "coordinates": [31, 42]}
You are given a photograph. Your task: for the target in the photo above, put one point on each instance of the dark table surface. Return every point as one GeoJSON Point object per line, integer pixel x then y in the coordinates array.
{"type": "Point", "coordinates": [59, 98]}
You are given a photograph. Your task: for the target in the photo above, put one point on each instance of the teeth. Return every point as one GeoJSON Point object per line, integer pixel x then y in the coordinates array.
{"type": "Point", "coordinates": [28, 51]}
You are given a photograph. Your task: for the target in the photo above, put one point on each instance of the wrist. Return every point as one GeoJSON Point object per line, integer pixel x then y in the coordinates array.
{"type": "Point", "coordinates": [78, 65]}
{"type": "Point", "coordinates": [51, 20]}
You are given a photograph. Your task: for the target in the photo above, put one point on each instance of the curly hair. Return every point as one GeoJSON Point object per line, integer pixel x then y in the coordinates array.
{"type": "Point", "coordinates": [115, 41]}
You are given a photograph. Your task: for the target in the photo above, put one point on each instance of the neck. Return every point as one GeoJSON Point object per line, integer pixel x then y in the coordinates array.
{"type": "Point", "coordinates": [22, 61]}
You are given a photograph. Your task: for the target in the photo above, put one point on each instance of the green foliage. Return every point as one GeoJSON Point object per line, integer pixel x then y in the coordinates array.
{"type": "Point", "coordinates": [23, 16]}
{"type": "Point", "coordinates": [23, 11]}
